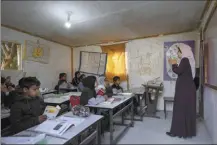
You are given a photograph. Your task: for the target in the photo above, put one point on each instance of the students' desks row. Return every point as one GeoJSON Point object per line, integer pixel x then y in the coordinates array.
{"type": "Point", "coordinates": [125, 97]}
{"type": "Point", "coordinates": [73, 134]}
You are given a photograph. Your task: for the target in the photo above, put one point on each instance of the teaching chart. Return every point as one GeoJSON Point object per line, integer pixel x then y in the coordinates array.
{"type": "Point", "coordinates": [170, 51]}
{"type": "Point", "coordinates": [93, 62]}
{"type": "Point", "coordinates": [144, 63]}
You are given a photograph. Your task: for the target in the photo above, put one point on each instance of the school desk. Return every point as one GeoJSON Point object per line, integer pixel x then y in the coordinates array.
{"type": "Point", "coordinates": [49, 92]}
{"type": "Point", "coordinates": [111, 107]}
{"type": "Point", "coordinates": [74, 134]}
{"type": "Point", "coordinates": [59, 99]}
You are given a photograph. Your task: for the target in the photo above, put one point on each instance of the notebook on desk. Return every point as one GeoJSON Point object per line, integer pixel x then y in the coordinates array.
{"type": "Point", "coordinates": [54, 127]}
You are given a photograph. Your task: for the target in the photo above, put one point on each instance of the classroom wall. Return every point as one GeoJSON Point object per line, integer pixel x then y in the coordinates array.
{"type": "Point", "coordinates": [135, 48]}
{"type": "Point", "coordinates": [210, 95]}
{"type": "Point", "coordinates": [59, 61]}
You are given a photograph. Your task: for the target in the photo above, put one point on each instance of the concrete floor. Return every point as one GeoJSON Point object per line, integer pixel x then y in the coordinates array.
{"type": "Point", "coordinates": [152, 131]}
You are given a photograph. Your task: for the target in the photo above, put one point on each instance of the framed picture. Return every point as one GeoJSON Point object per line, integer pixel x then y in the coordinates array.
{"type": "Point", "coordinates": [11, 55]}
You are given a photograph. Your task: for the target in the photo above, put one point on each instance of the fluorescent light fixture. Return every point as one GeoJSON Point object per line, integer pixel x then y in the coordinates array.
{"type": "Point", "coordinates": [67, 24]}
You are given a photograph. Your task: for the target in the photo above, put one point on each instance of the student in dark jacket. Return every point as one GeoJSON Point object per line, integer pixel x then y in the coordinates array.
{"type": "Point", "coordinates": [108, 88]}
{"type": "Point", "coordinates": [80, 85]}
{"type": "Point", "coordinates": [8, 83]}
{"type": "Point", "coordinates": [26, 111]}
{"type": "Point", "coordinates": [6, 94]}
{"type": "Point", "coordinates": [76, 80]}
{"type": "Point", "coordinates": [88, 95]}
{"type": "Point", "coordinates": [116, 88]}
{"type": "Point", "coordinates": [63, 86]}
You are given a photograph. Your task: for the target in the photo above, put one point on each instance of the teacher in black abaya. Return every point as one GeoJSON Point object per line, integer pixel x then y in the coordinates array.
{"type": "Point", "coordinates": [184, 108]}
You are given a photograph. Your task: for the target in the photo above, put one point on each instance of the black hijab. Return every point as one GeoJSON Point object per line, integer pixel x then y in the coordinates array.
{"type": "Point", "coordinates": [89, 82]}
{"type": "Point", "coordinates": [76, 80]}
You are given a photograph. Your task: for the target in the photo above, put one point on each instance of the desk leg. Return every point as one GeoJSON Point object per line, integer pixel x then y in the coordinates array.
{"type": "Point", "coordinates": [165, 112]}
{"type": "Point", "coordinates": [132, 114]}
{"type": "Point", "coordinates": [140, 107]}
{"type": "Point", "coordinates": [111, 125]}
{"type": "Point", "coordinates": [122, 117]}
{"type": "Point", "coordinates": [98, 137]}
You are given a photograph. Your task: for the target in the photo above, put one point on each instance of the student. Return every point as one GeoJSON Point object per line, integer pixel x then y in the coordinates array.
{"type": "Point", "coordinates": [9, 84]}
{"type": "Point", "coordinates": [26, 111]}
{"type": "Point", "coordinates": [75, 80]}
{"type": "Point", "coordinates": [108, 88]}
{"type": "Point", "coordinates": [62, 83]}
{"type": "Point", "coordinates": [116, 88]}
{"type": "Point", "coordinates": [92, 96]}
{"type": "Point", "coordinates": [80, 85]}
{"type": "Point", "coordinates": [4, 92]}
{"type": "Point", "coordinates": [89, 95]}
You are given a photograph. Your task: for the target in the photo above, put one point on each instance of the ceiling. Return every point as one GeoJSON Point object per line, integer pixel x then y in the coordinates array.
{"type": "Point", "coordinates": [101, 21]}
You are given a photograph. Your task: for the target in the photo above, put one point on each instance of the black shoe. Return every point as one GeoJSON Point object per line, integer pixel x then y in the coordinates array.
{"type": "Point", "coordinates": [170, 134]}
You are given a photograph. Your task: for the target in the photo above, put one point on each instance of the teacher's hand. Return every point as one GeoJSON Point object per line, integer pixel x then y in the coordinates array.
{"type": "Point", "coordinates": [172, 61]}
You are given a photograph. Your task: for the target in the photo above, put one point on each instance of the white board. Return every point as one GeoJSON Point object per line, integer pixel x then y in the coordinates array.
{"type": "Point", "coordinates": [93, 62]}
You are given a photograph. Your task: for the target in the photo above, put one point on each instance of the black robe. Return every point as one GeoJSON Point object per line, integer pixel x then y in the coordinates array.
{"type": "Point", "coordinates": [184, 108]}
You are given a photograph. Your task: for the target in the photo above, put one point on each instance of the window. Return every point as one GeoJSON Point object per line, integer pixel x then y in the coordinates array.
{"type": "Point", "coordinates": [115, 61]}
{"type": "Point", "coordinates": [11, 56]}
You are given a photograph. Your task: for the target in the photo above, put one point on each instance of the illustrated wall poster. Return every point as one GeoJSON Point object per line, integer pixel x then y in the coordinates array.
{"type": "Point", "coordinates": [34, 51]}
{"type": "Point", "coordinates": [170, 51]}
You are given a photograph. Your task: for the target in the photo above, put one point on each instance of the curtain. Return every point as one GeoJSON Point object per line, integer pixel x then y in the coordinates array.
{"type": "Point", "coordinates": [115, 61]}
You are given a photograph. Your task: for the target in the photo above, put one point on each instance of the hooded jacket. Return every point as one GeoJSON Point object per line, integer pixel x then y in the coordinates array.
{"type": "Point", "coordinates": [25, 112]}
{"type": "Point", "coordinates": [88, 95]}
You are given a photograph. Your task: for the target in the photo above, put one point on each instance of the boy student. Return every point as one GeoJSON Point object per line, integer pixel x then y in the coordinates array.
{"type": "Point", "coordinates": [62, 83]}
{"type": "Point", "coordinates": [108, 88]}
{"type": "Point", "coordinates": [26, 111]}
{"type": "Point", "coordinates": [6, 94]}
{"type": "Point", "coordinates": [116, 88]}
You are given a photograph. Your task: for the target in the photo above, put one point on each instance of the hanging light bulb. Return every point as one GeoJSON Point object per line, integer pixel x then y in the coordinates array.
{"type": "Point", "coordinates": [67, 23]}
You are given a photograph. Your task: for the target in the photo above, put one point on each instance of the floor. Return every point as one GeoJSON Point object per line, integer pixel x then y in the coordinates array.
{"type": "Point", "coordinates": [152, 131]}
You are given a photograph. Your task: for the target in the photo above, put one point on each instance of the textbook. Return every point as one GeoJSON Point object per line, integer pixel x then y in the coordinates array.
{"type": "Point", "coordinates": [55, 127]}
{"type": "Point", "coordinates": [51, 112]}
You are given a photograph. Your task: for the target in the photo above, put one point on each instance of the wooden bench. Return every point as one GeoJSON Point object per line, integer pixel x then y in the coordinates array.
{"type": "Point", "coordinates": [167, 100]}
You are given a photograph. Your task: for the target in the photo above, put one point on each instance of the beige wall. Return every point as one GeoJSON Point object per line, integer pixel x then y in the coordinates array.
{"type": "Point", "coordinates": [141, 47]}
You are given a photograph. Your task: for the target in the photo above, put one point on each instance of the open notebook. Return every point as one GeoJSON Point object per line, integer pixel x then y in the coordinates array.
{"type": "Point", "coordinates": [58, 126]}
